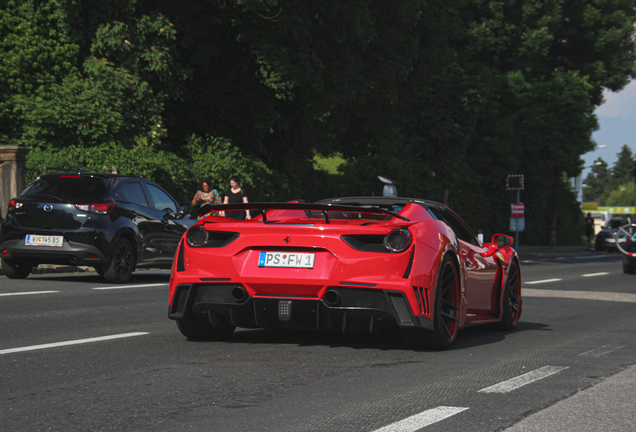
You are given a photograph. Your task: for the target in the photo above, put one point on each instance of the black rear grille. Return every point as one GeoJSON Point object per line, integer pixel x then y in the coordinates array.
{"type": "Point", "coordinates": [366, 242]}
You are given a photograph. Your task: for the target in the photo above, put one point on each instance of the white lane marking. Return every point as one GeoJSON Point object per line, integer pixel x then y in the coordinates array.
{"type": "Point", "coordinates": [73, 342]}
{"type": "Point", "coordinates": [595, 274]}
{"type": "Point", "coordinates": [27, 293]}
{"type": "Point", "coordinates": [130, 286]}
{"type": "Point", "coordinates": [580, 295]}
{"type": "Point", "coordinates": [592, 256]}
{"type": "Point", "coordinates": [542, 281]}
{"type": "Point", "coordinates": [423, 419]}
{"type": "Point", "coordinates": [521, 380]}
{"type": "Point", "coordinates": [601, 351]}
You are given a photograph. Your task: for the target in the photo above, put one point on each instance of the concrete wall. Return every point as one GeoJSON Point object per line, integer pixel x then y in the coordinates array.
{"type": "Point", "coordinates": [12, 175]}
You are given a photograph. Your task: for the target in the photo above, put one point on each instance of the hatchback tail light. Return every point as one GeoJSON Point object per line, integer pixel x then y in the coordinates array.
{"type": "Point", "coordinates": [98, 208]}
{"type": "Point", "coordinates": [14, 204]}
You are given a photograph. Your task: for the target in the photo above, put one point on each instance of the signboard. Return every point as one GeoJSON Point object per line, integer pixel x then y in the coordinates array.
{"type": "Point", "coordinates": [514, 182]}
{"type": "Point", "coordinates": [517, 220]}
{"type": "Point", "coordinates": [618, 210]}
{"type": "Point", "coordinates": [517, 210]}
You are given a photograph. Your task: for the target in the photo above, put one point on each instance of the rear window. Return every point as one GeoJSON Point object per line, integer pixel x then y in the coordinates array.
{"type": "Point", "coordinates": [66, 189]}
{"type": "Point", "coordinates": [615, 223]}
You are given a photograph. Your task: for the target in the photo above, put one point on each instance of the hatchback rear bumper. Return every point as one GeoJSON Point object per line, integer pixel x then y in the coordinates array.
{"type": "Point", "coordinates": [70, 252]}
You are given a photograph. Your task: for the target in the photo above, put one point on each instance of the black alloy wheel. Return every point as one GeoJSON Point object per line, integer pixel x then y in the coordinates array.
{"type": "Point", "coordinates": [446, 314]}
{"type": "Point", "coordinates": [122, 263]}
{"type": "Point", "coordinates": [511, 303]}
{"type": "Point", "coordinates": [446, 305]}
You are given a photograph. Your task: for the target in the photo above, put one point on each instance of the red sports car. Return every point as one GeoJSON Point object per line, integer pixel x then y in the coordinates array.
{"type": "Point", "coordinates": [343, 264]}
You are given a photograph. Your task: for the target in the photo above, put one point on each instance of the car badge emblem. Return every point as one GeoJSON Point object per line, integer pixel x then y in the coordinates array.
{"type": "Point", "coordinates": [287, 239]}
{"type": "Point", "coordinates": [48, 207]}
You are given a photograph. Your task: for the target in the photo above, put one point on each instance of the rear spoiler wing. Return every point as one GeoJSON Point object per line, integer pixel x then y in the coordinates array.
{"type": "Point", "coordinates": [324, 208]}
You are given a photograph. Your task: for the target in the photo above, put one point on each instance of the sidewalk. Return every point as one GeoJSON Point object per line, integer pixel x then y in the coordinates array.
{"type": "Point", "coordinates": [607, 406]}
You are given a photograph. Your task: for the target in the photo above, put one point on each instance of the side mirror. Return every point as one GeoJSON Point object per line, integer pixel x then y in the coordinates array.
{"type": "Point", "coordinates": [501, 240]}
{"type": "Point", "coordinates": [498, 241]}
{"type": "Point", "coordinates": [185, 209]}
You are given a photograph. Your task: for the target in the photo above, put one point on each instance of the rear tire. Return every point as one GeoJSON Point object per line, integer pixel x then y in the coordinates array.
{"type": "Point", "coordinates": [121, 264]}
{"type": "Point", "coordinates": [628, 269]}
{"type": "Point", "coordinates": [511, 302]}
{"type": "Point", "coordinates": [446, 315]}
{"type": "Point", "coordinates": [17, 269]}
{"type": "Point", "coordinates": [203, 330]}
{"type": "Point", "coordinates": [446, 305]}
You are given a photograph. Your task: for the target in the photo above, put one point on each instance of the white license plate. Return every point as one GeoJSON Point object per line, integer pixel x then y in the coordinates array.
{"type": "Point", "coordinates": [40, 240]}
{"type": "Point", "coordinates": [286, 259]}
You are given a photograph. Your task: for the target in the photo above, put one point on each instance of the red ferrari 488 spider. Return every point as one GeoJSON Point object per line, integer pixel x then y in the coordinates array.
{"type": "Point", "coordinates": [343, 264]}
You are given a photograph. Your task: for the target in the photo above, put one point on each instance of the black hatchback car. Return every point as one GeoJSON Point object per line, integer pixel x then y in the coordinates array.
{"type": "Point", "coordinates": [111, 222]}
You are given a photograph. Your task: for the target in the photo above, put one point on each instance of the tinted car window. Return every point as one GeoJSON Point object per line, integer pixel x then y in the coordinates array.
{"type": "Point", "coordinates": [161, 199]}
{"type": "Point", "coordinates": [457, 225]}
{"type": "Point", "coordinates": [133, 193]}
{"type": "Point", "coordinates": [66, 189]}
{"type": "Point", "coordinates": [615, 223]}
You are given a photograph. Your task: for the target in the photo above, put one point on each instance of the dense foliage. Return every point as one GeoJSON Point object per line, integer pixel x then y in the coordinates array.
{"type": "Point", "coordinates": [447, 98]}
{"type": "Point", "coordinates": [615, 186]}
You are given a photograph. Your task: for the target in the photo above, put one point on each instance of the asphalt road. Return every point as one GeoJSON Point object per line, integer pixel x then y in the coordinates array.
{"type": "Point", "coordinates": [77, 354]}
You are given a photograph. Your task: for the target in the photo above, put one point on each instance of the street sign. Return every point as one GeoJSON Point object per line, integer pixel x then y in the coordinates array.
{"type": "Point", "coordinates": [514, 182]}
{"type": "Point", "coordinates": [517, 210]}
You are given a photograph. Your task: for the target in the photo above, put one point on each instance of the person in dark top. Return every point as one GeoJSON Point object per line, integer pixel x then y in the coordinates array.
{"type": "Point", "coordinates": [236, 195]}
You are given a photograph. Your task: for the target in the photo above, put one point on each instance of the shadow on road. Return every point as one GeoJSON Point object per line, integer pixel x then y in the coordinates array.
{"type": "Point", "coordinates": [139, 277]}
{"type": "Point", "coordinates": [389, 339]}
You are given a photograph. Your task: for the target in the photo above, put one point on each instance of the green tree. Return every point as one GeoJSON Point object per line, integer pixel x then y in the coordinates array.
{"type": "Point", "coordinates": [623, 195]}
{"type": "Point", "coordinates": [596, 181]}
{"type": "Point", "coordinates": [623, 168]}
{"type": "Point", "coordinates": [37, 50]}
{"type": "Point", "coordinates": [542, 74]}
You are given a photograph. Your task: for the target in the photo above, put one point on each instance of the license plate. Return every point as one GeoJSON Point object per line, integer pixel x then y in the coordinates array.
{"type": "Point", "coordinates": [286, 259]}
{"type": "Point", "coordinates": [40, 240]}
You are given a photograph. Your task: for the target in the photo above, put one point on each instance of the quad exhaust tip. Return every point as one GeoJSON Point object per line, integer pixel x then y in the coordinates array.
{"type": "Point", "coordinates": [239, 294]}
{"type": "Point", "coordinates": [332, 298]}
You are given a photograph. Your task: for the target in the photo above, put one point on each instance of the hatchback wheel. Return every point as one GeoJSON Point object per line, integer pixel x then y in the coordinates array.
{"type": "Point", "coordinates": [121, 264]}
{"type": "Point", "coordinates": [17, 269]}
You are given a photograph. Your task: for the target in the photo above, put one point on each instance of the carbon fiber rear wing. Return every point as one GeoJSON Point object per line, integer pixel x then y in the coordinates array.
{"type": "Point", "coordinates": [323, 208]}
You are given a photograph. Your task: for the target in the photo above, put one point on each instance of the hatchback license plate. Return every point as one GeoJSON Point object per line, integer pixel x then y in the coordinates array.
{"type": "Point", "coordinates": [40, 240]}
{"type": "Point", "coordinates": [286, 259]}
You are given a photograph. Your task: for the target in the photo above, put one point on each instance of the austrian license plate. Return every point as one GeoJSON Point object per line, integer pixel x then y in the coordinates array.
{"type": "Point", "coordinates": [40, 240]}
{"type": "Point", "coordinates": [286, 259]}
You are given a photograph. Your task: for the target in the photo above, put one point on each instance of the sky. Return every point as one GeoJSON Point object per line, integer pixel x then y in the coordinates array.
{"type": "Point", "coordinates": [617, 120]}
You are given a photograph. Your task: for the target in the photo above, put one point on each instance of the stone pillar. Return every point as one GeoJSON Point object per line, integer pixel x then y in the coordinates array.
{"type": "Point", "coordinates": [12, 175]}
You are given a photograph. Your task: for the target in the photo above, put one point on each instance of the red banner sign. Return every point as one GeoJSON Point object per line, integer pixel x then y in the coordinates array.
{"type": "Point", "coordinates": [517, 210]}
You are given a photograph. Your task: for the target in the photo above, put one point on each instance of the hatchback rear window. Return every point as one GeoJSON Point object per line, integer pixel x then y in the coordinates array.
{"type": "Point", "coordinates": [69, 189]}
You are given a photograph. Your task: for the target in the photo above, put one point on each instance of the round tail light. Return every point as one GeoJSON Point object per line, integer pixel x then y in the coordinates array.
{"type": "Point", "coordinates": [196, 236]}
{"type": "Point", "coordinates": [398, 240]}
